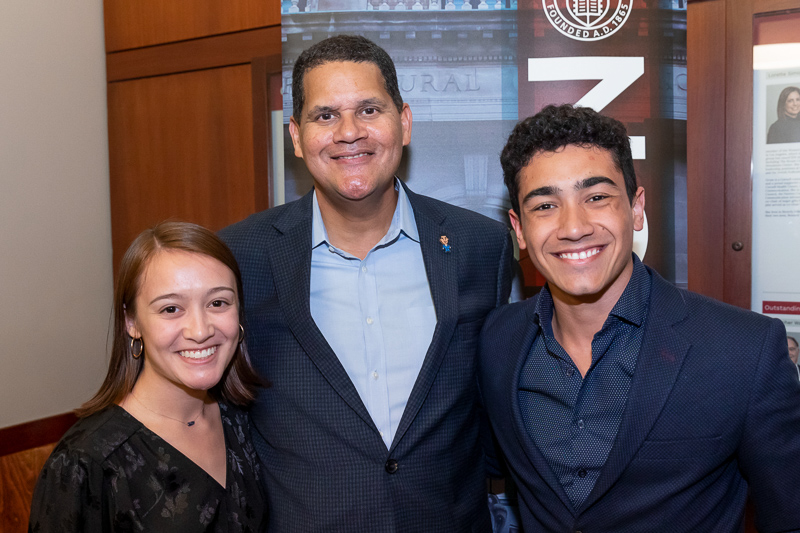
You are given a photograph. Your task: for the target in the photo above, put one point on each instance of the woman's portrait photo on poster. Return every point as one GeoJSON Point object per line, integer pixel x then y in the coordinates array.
{"type": "Point", "coordinates": [785, 122]}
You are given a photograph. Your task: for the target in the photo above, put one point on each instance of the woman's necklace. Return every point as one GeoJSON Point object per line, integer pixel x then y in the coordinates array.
{"type": "Point", "coordinates": [190, 423]}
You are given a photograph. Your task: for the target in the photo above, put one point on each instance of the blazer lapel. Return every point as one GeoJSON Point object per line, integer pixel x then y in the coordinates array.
{"type": "Point", "coordinates": [442, 270]}
{"type": "Point", "coordinates": [291, 266]}
{"type": "Point", "coordinates": [660, 360]}
{"type": "Point", "coordinates": [521, 346]}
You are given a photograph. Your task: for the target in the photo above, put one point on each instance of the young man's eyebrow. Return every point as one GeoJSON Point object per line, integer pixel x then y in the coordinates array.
{"type": "Point", "coordinates": [547, 190]}
{"type": "Point", "coordinates": [594, 180]}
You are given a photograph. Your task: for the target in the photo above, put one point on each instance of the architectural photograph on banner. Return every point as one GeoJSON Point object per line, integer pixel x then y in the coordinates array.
{"type": "Point", "coordinates": [625, 59]}
{"type": "Point", "coordinates": [457, 70]}
{"type": "Point", "coordinates": [775, 288]}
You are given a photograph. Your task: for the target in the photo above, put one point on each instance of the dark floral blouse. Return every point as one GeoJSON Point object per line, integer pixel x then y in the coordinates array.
{"type": "Point", "coordinates": [110, 473]}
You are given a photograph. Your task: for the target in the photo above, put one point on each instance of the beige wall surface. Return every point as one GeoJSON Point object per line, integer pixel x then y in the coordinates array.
{"type": "Point", "coordinates": [55, 234]}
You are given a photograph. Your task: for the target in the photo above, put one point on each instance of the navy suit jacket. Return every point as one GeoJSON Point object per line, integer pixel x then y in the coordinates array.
{"type": "Point", "coordinates": [326, 467]}
{"type": "Point", "coordinates": [713, 410]}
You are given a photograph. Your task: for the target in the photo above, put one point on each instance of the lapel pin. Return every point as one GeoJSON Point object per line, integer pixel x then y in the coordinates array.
{"type": "Point", "coordinates": [444, 240]}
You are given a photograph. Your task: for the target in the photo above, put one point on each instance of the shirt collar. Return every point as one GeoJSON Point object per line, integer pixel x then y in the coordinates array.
{"type": "Point", "coordinates": [402, 221]}
{"type": "Point", "coordinates": [631, 306]}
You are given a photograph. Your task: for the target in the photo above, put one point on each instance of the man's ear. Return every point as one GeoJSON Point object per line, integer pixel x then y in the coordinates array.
{"type": "Point", "coordinates": [516, 223]}
{"type": "Point", "coordinates": [294, 131]}
{"type": "Point", "coordinates": [638, 209]}
{"type": "Point", "coordinates": [405, 121]}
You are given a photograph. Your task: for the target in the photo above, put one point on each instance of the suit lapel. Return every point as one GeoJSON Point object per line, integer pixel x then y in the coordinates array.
{"type": "Point", "coordinates": [442, 270]}
{"type": "Point", "coordinates": [291, 266]}
{"type": "Point", "coordinates": [660, 360]}
{"type": "Point", "coordinates": [521, 346]}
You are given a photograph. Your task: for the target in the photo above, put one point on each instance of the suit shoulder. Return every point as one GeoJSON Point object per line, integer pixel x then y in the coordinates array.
{"type": "Point", "coordinates": [461, 214]}
{"type": "Point", "coordinates": [241, 235]}
{"type": "Point", "coordinates": [708, 309]}
{"type": "Point", "coordinates": [716, 326]}
{"type": "Point", "coordinates": [254, 222]}
{"type": "Point", "coordinates": [508, 316]}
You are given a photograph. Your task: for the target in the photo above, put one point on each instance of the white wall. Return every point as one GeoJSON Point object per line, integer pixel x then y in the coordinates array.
{"type": "Point", "coordinates": [55, 228]}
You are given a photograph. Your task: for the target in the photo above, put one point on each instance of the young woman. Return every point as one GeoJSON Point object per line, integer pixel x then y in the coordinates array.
{"type": "Point", "coordinates": [163, 445]}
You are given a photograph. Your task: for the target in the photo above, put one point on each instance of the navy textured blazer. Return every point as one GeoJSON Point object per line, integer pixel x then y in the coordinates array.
{"type": "Point", "coordinates": [713, 409]}
{"type": "Point", "coordinates": [326, 467]}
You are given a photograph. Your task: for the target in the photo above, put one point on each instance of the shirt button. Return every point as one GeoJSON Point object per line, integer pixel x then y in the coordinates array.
{"type": "Point", "coordinates": [363, 269]}
{"type": "Point", "coordinates": [374, 375]}
{"type": "Point", "coordinates": [369, 320]}
{"type": "Point", "coordinates": [581, 473]}
{"type": "Point", "coordinates": [391, 466]}
{"type": "Point", "coordinates": [580, 424]}
{"type": "Point", "coordinates": [330, 249]}
{"type": "Point", "coordinates": [570, 371]}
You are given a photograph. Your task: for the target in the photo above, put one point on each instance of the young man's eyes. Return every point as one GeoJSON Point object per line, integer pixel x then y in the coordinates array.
{"type": "Point", "coordinates": [597, 197]}
{"type": "Point", "coordinates": [547, 206]}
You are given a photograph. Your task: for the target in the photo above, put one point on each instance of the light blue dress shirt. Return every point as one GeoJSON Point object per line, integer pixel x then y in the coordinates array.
{"type": "Point", "coordinates": [376, 314]}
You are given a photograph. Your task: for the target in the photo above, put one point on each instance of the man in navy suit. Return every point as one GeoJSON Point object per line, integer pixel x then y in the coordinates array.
{"type": "Point", "coordinates": [364, 302]}
{"type": "Point", "coordinates": [621, 403]}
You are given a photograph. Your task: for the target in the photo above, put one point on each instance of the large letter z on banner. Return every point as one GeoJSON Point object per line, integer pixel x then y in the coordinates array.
{"type": "Point", "coordinates": [615, 74]}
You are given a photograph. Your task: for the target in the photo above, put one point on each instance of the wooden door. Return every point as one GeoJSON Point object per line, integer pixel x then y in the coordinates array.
{"type": "Point", "coordinates": [719, 138]}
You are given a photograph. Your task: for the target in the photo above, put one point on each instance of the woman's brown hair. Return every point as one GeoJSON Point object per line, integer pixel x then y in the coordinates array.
{"type": "Point", "coordinates": [239, 382]}
{"type": "Point", "coordinates": [782, 100]}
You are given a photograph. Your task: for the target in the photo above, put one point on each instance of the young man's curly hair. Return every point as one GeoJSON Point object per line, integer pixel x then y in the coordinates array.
{"type": "Point", "coordinates": [557, 126]}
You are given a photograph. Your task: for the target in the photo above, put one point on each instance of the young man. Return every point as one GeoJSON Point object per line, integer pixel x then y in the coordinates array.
{"type": "Point", "coordinates": [364, 302]}
{"type": "Point", "coordinates": [620, 402]}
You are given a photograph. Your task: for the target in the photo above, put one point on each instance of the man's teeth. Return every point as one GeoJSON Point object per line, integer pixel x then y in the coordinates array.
{"type": "Point", "coordinates": [580, 255]}
{"type": "Point", "coordinates": [351, 156]}
{"type": "Point", "coordinates": [198, 354]}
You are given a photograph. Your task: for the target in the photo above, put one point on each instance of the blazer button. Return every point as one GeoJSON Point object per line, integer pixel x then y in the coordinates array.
{"type": "Point", "coordinates": [391, 466]}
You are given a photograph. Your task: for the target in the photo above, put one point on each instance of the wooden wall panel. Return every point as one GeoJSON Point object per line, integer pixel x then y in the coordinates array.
{"type": "Point", "coordinates": [738, 152]}
{"type": "Point", "coordinates": [219, 51]}
{"type": "Point", "coordinates": [137, 23]}
{"type": "Point", "coordinates": [18, 474]}
{"type": "Point", "coordinates": [705, 138]}
{"type": "Point", "coordinates": [23, 450]}
{"type": "Point", "coordinates": [180, 146]}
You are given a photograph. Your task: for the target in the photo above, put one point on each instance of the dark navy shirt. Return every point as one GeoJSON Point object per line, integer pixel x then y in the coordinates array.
{"type": "Point", "coordinates": [574, 420]}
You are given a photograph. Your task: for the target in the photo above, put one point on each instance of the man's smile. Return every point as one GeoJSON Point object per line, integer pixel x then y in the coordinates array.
{"type": "Point", "coordinates": [583, 254]}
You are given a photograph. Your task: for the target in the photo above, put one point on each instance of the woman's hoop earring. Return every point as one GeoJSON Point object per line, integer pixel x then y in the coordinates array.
{"type": "Point", "coordinates": [136, 354]}
{"type": "Point", "coordinates": [241, 334]}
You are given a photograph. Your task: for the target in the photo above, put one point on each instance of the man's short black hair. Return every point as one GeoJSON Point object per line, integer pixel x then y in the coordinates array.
{"type": "Point", "coordinates": [353, 48]}
{"type": "Point", "coordinates": [554, 127]}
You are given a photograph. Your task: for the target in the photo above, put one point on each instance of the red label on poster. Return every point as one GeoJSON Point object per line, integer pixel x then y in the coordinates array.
{"type": "Point", "coordinates": [781, 308]}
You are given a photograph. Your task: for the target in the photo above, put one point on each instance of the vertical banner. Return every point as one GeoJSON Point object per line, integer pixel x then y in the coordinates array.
{"type": "Point", "coordinates": [457, 70]}
{"type": "Point", "coordinates": [776, 184]}
{"type": "Point", "coordinates": [469, 69]}
{"type": "Point", "coordinates": [627, 59]}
